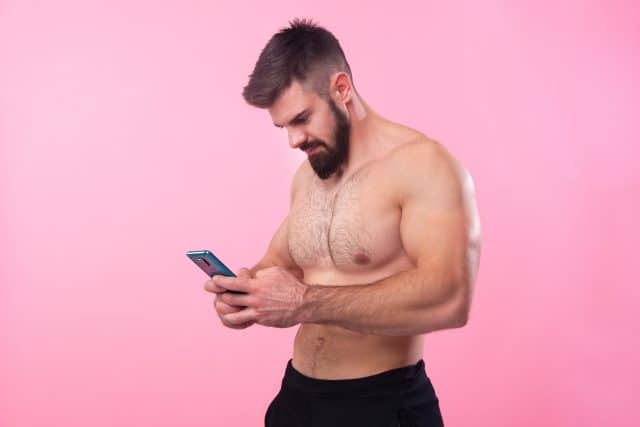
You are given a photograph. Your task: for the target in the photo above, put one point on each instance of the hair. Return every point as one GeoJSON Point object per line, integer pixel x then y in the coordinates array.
{"type": "Point", "coordinates": [304, 52]}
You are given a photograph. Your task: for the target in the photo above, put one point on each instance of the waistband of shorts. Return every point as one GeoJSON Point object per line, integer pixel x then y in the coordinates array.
{"type": "Point", "coordinates": [389, 380]}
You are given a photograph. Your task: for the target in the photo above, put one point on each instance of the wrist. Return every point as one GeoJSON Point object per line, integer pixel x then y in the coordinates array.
{"type": "Point", "coordinates": [308, 303]}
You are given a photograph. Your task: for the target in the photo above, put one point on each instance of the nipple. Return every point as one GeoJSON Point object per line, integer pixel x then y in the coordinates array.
{"type": "Point", "coordinates": [361, 259]}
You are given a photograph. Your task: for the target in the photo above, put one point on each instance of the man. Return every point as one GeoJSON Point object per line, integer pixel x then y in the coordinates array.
{"type": "Point", "coordinates": [381, 245]}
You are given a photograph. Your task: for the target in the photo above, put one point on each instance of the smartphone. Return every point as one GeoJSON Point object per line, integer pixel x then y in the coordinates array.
{"type": "Point", "coordinates": [210, 264]}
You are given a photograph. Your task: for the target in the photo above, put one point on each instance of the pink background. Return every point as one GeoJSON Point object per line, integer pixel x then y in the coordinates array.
{"type": "Point", "coordinates": [124, 142]}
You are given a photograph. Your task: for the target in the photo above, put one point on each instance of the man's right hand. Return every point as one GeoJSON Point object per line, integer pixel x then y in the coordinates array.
{"type": "Point", "coordinates": [223, 308]}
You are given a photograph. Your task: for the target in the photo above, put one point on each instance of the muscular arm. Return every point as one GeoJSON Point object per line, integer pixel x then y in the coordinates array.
{"type": "Point", "coordinates": [277, 254]}
{"type": "Point", "coordinates": [278, 251]}
{"type": "Point", "coordinates": [440, 232]}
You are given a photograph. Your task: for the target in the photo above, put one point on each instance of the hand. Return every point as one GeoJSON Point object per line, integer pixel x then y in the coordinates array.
{"type": "Point", "coordinates": [223, 308]}
{"type": "Point", "coordinates": [273, 298]}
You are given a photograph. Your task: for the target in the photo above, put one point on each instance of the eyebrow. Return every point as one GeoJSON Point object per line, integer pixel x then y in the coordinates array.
{"type": "Point", "coordinates": [295, 119]}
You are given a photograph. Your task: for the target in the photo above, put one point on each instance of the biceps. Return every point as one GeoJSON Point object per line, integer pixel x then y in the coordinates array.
{"type": "Point", "coordinates": [440, 227]}
{"type": "Point", "coordinates": [278, 250]}
{"type": "Point", "coordinates": [435, 240]}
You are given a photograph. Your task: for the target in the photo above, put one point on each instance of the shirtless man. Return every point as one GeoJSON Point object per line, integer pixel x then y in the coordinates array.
{"type": "Point", "coordinates": [381, 245]}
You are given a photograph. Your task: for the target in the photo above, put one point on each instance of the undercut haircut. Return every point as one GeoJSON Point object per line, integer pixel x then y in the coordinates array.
{"type": "Point", "coordinates": [303, 51]}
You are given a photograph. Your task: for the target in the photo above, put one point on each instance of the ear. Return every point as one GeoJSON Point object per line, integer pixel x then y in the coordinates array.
{"type": "Point", "coordinates": [341, 89]}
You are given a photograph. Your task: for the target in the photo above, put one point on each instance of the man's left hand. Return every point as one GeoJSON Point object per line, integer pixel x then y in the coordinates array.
{"type": "Point", "coordinates": [273, 298]}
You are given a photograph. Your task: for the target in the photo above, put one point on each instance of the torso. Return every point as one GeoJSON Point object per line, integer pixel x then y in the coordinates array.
{"type": "Point", "coordinates": [342, 233]}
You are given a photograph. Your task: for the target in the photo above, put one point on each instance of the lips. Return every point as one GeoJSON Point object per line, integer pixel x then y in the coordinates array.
{"type": "Point", "coordinates": [312, 149]}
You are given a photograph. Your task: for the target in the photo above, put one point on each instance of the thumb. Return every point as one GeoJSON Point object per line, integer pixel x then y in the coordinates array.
{"type": "Point", "coordinates": [243, 272]}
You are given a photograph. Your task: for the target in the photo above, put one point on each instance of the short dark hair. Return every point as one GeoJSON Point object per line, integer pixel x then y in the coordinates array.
{"type": "Point", "coordinates": [303, 51]}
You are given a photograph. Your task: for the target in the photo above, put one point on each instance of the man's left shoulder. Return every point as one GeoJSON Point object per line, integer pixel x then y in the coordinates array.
{"type": "Point", "coordinates": [424, 159]}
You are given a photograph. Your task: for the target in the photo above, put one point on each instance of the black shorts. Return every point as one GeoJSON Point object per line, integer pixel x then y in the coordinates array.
{"type": "Point", "coordinates": [398, 397]}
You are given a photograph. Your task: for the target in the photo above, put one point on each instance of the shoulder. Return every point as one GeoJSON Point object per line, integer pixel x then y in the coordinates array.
{"type": "Point", "coordinates": [426, 168]}
{"type": "Point", "coordinates": [421, 152]}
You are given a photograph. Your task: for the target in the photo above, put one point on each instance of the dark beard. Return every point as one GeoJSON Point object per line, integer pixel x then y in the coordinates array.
{"type": "Point", "coordinates": [326, 160]}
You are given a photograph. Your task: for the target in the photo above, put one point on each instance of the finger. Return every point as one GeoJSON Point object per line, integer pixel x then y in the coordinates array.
{"type": "Point", "coordinates": [243, 326]}
{"type": "Point", "coordinates": [210, 286]}
{"type": "Point", "coordinates": [241, 300]}
{"type": "Point", "coordinates": [240, 284]}
{"type": "Point", "coordinates": [235, 326]}
{"type": "Point", "coordinates": [224, 308]}
{"type": "Point", "coordinates": [244, 316]}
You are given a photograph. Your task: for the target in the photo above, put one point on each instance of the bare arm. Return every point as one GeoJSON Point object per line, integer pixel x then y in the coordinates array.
{"type": "Point", "coordinates": [278, 250]}
{"type": "Point", "coordinates": [278, 253]}
{"type": "Point", "coordinates": [441, 233]}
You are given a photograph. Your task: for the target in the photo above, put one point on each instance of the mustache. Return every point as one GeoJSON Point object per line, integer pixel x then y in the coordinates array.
{"type": "Point", "coordinates": [311, 144]}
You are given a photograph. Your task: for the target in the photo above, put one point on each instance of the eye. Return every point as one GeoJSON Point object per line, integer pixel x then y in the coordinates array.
{"type": "Point", "coordinates": [302, 120]}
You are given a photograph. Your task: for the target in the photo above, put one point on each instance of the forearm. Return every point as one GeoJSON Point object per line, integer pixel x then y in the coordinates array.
{"type": "Point", "coordinates": [407, 303]}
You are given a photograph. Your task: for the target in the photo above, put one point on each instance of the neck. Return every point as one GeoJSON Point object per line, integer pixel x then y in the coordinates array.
{"type": "Point", "coordinates": [366, 134]}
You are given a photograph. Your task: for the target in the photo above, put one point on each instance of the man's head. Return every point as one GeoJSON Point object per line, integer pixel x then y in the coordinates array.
{"type": "Point", "coordinates": [298, 77]}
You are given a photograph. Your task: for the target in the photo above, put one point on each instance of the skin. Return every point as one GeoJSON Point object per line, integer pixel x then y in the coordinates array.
{"type": "Point", "coordinates": [371, 258]}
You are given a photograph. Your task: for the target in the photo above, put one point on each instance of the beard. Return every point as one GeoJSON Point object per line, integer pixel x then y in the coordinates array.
{"type": "Point", "coordinates": [326, 160]}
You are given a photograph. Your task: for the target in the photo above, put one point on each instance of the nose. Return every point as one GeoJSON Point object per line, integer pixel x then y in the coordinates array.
{"type": "Point", "coordinates": [296, 138]}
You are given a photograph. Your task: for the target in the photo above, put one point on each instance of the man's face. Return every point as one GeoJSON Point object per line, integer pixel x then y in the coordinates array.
{"type": "Point", "coordinates": [314, 125]}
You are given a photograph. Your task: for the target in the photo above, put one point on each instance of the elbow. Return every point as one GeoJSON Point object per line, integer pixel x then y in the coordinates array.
{"type": "Point", "coordinates": [461, 320]}
{"type": "Point", "coordinates": [462, 307]}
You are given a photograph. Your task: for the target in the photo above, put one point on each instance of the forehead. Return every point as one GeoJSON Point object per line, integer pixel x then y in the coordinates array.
{"type": "Point", "coordinates": [291, 101]}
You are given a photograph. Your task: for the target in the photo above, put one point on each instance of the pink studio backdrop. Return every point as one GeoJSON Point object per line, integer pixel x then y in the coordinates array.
{"type": "Point", "coordinates": [124, 142]}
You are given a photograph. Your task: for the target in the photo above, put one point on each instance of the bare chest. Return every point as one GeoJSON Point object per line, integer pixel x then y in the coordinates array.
{"type": "Point", "coordinates": [353, 227]}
